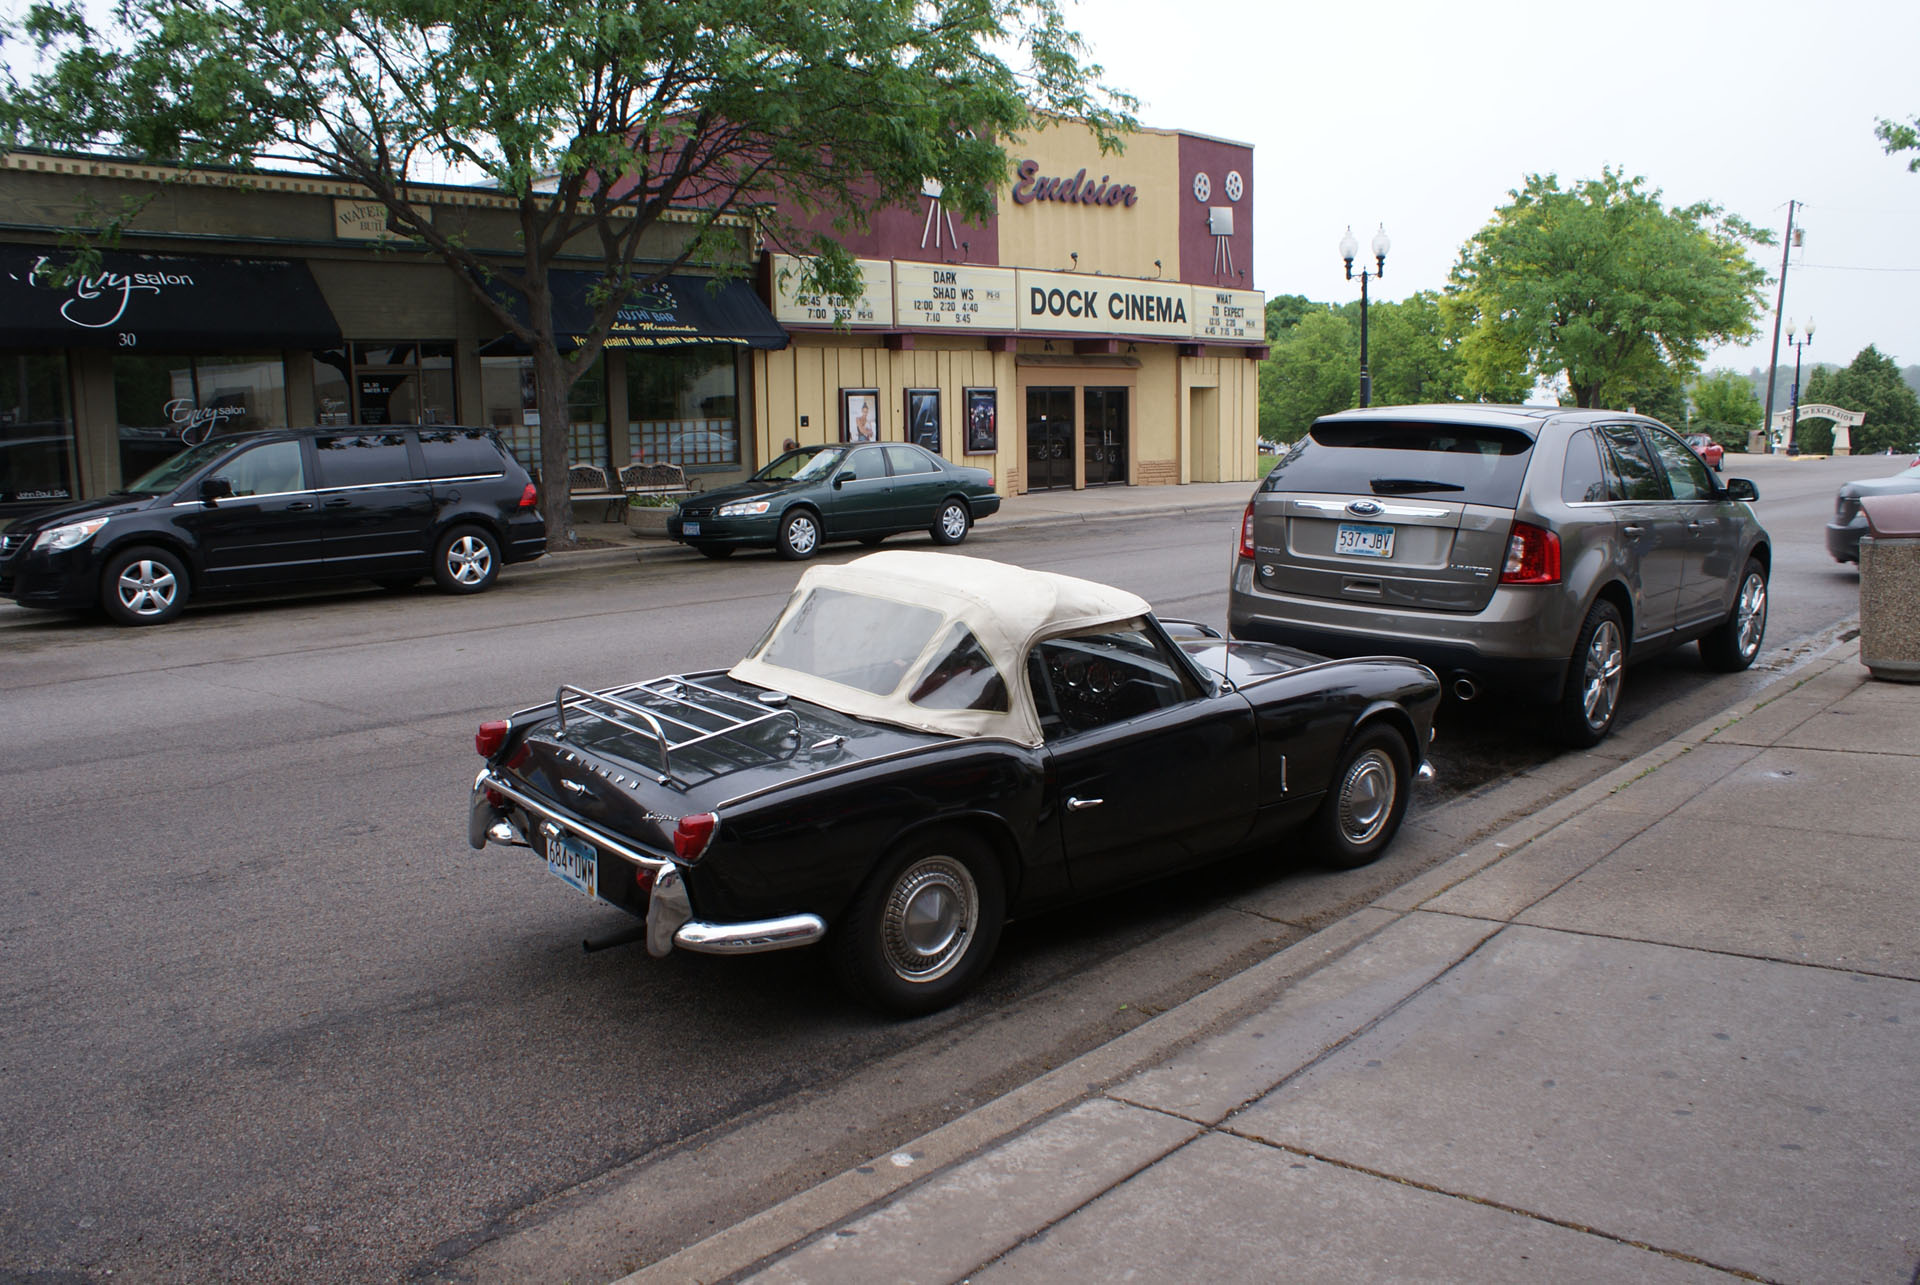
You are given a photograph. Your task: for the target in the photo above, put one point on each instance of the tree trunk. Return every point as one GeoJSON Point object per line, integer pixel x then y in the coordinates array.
{"type": "Point", "coordinates": [551, 378]}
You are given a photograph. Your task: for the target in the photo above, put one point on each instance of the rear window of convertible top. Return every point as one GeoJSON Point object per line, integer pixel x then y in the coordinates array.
{"type": "Point", "coordinates": [1465, 463]}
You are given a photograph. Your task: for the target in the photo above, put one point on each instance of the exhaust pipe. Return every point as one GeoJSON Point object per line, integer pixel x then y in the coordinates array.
{"type": "Point", "coordinates": [1465, 689]}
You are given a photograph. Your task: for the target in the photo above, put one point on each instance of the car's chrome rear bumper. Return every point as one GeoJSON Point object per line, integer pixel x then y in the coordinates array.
{"type": "Point", "coordinates": [670, 920]}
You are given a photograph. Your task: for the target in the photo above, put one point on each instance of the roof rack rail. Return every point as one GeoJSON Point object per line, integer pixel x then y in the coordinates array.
{"type": "Point", "coordinates": [684, 713]}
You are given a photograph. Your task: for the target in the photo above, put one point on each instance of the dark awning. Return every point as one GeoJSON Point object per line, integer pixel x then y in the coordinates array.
{"type": "Point", "coordinates": [161, 303]}
{"type": "Point", "coordinates": [680, 310]}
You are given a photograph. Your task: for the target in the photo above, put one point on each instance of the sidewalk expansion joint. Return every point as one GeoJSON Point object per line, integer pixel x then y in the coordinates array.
{"type": "Point", "coordinates": [1718, 952]}
{"type": "Point", "coordinates": [1534, 1215]}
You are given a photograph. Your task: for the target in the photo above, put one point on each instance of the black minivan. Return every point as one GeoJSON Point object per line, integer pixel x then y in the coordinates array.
{"type": "Point", "coordinates": [280, 509]}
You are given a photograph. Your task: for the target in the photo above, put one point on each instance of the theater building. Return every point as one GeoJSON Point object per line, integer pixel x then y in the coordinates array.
{"type": "Point", "coordinates": [1095, 331]}
{"type": "Point", "coordinates": [1098, 330]}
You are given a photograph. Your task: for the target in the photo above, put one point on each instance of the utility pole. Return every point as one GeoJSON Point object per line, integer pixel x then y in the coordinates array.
{"type": "Point", "coordinates": [1773, 361]}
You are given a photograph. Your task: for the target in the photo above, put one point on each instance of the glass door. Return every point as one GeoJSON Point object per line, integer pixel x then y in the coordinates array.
{"type": "Point", "coordinates": [1049, 439]}
{"type": "Point", "coordinates": [1106, 434]}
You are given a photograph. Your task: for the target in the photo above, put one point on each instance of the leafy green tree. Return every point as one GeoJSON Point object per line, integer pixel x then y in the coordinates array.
{"type": "Point", "coordinates": [1871, 383]}
{"type": "Point", "coordinates": [595, 117]}
{"type": "Point", "coordinates": [1313, 370]}
{"type": "Point", "coordinates": [1725, 407]}
{"type": "Point", "coordinates": [1411, 353]}
{"type": "Point", "coordinates": [1901, 136]}
{"type": "Point", "coordinates": [1603, 286]}
{"type": "Point", "coordinates": [1284, 312]}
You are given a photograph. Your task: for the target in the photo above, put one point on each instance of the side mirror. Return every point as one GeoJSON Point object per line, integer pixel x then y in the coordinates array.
{"type": "Point", "coordinates": [841, 479]}
{"type": "Point", "coordinates": [1738, 488]}
{"type": "Point", "coordinates": [215, 488]}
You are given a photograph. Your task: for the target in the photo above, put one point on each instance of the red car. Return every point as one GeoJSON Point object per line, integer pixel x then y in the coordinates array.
{"type": "Point", "coordinates": [1707, 449]}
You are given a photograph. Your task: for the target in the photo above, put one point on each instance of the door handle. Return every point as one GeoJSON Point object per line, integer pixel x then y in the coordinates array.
{"type": "Point", "coordinates": [299, 504]}
{"type": "Point", "coordinates": [1632, 530]}
{"type": "Point", "coordinates": [339, 502]}
{"type": "Point", "coordinates": [1081, 805]}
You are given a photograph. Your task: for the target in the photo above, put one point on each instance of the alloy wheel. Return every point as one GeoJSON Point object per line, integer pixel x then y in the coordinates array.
{"type": "Point", "coordinates": [1750, 614]}
{"type": "Point", "coordinates": [1600, 681]}
{"type": "Point", "coordinates": [147, 588]}
{"type": "Point", "coordinates": [469, 560]}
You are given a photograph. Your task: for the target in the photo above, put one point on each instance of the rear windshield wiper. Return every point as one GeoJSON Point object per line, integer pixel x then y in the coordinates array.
{"type": "Point", "coordinates": [1402, 485]}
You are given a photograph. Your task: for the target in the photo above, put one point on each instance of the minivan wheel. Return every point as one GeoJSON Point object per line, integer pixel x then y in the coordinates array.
{"type": "Point", "coordinates": [466, 560]}
{"type": "Point", "coordinates": [1736, 640]}
{"type": "Point", "coordinates": [143, 586]}
{"type": "Point", "coordinates": [1364, 804]}
{"type": "Point", "coordinates": [1587, 706]}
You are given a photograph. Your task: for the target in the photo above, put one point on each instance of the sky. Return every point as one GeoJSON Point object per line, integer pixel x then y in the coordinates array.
{"type": "Point", "coordinates": [1425, 116]}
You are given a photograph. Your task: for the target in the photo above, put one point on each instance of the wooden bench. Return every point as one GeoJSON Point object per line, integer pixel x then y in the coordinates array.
{"type": "Point", "coordinates": [588, 483]}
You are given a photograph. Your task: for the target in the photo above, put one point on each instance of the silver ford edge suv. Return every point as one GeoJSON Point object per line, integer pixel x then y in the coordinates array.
{"type": "Point", "coordinates": [1536, 550]}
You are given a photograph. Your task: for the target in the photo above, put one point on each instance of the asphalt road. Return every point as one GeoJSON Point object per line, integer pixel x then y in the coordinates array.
{"type": "Point", "coordinates": [268, 1017]}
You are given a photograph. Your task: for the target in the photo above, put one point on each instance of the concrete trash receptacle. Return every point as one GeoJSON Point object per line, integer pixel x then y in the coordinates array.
{"type": "Point", "coordinates": [1890, 587]}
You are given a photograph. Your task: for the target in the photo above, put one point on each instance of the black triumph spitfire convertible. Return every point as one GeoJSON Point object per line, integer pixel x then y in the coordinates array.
{"type": "Point", "coordinates": [925, 745]}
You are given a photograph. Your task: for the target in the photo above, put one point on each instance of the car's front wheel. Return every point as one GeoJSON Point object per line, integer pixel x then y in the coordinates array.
{"type": "Point", "coordinates": [143, 586]}
{"type": "Point", "coordinates": [799, 534]}
{"type": "Point", "coordinates": [1592, 694]}
{"type": "Point", "coordinates": [466, 560]}
{"type": "Point", "coordinates": [950, 524]}
{"type": "Point", "coordinates": [924, 927]}
{"type": "Point", "coordinates": [1368, 797]}
{"type": "Point", "coordinates": [1735, 642]}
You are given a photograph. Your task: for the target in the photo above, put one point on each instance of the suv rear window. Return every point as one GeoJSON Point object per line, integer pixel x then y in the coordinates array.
{"type": "Point", "coordinates": [1470, 463]}
{"type": "Point", "coordinates": [460, 452]}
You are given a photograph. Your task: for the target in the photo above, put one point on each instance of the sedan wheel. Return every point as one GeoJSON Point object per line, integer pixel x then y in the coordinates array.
{"type": "Point", "coordinates": [951, 523]}
{"type": "Point", "coordinates": [1592, 694]}
{"type": "Point", "coordinates": [1363, 807]}
{"type": "Point", "coordinates": [144, 587]}
{"type": "Point", "coordinates": [799, 534]}
{"type": "Point", "coordinates": [1736, 641]}
{"type": "Point", "coordinates": [922, 930]}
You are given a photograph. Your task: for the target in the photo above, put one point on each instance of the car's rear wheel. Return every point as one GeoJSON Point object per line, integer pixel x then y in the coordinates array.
{"type": "Point", "coordinates": [1736, 641]}
{"type": "Point", "coordinates": [924, 927]}
{"type": "Point", "coordinates": [466, 560]}
{"type": "Point", "coordinates": [1592, 694]}
{"type": "Point", "coordinates": [950, 524]}
{"type": "Point", "coordinates": [1364, 805]}
{"type": "Point", "coordinates": [799, 534]}
{"type": "Point", "coordinates": [143, 586]}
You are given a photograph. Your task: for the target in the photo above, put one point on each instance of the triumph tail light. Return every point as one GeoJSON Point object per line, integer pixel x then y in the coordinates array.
{"type": "Point", "coordinates": [491, 736]}
{"type": "Point", "coordinates": [1246, 532]}
{"type": "Point", "coordinates": [693, 834]}
{"type": "Point", "coordinates": [530, 498]}
{"type": "Point", "coordinates": [1533, 556]}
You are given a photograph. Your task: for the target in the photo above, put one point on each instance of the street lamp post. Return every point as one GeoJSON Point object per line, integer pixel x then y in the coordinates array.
{"type": "Point", "coordinates": [1799, 339]}
{"type": "Point", "coordinates": [1348, 248]}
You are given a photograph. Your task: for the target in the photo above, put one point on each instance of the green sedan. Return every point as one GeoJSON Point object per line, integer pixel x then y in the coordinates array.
{"type": "Point", "coordinates": [865, 492]}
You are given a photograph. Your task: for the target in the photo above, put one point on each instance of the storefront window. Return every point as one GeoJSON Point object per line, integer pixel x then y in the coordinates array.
{"type": "Point", "coordinates": [507, 384]}
{"type": "Point", "coordinates": [166, 403]}
{"type": "Point", "coordinates": [36, 428]}
{"type": "Point", "coordinates": [384, 383]}
{"type": "Point", "coordinates": [685, 405]}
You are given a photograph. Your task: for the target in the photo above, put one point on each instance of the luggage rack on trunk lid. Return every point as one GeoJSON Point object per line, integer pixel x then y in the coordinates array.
{"type": "Point", "coordinates": [704, 715]}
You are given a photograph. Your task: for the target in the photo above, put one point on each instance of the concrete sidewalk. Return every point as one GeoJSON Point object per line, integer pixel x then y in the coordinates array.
{"type": "Point", "coordinates": [1667, 1028]}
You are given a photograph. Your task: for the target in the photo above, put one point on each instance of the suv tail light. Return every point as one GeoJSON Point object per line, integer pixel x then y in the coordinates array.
{"type": "Point", "coordinates": [1246, 532]}
{"type": "Point", "coordinates": [693, 834]}
{"type": "Point", "coordinates": [1533, 556]}
{"type": "Point", "coordinates": [530, 498]}
{"type": "Point", "coordinates": [491, 736]}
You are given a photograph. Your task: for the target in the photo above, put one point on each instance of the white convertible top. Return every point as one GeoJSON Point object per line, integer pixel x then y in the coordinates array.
{"type": "Point", "coordinates": [1006, 608]}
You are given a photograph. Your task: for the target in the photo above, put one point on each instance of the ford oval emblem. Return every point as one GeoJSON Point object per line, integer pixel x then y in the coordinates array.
{"type": "Point", "coordinates": [1364, 509]}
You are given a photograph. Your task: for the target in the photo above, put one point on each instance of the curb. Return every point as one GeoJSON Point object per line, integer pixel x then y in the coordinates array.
{"type": "Point", "coordinates": [804, 1215]}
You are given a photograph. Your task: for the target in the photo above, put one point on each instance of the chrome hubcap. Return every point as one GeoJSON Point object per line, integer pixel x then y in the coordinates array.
{"type": "Point", "coordinates": [147, 588]}
{"type": "Point", "coordinates": [929, 919]}
{"type": "Point", "coordinates": [953, 521]}
{"type": "Point", "coordinates": [1601, 682]}
{"type": "Point", "coordinates": [1366, 797]}
{"type": "Point", "coordinates": [469, 559]}
{"type": "Point", "coordinates": [802, 535]}
{"type": "Point", "coordinates": [1750, 615]}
